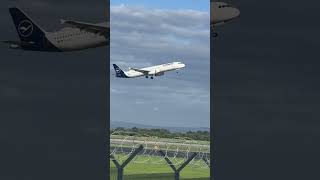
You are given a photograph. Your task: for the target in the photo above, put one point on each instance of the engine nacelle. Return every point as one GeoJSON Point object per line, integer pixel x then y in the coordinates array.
{"type": "Point", "coordinates": [159, 74]}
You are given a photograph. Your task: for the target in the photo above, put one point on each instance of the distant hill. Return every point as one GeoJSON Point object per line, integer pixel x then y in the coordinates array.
{"type": "Point", "coordinates": [115, 124]}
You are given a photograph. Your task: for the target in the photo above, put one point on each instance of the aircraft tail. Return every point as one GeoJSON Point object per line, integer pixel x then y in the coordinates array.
{"type": "Point", "coordinates": [119, 72]}
{"type": "Point", "coordinates": [27, 30]}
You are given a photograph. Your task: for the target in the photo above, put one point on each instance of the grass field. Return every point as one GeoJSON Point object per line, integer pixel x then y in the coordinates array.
{"type": "Point", "coordinates": [157, 171]}
{"type": "Point", "coordinates": [158, 139]}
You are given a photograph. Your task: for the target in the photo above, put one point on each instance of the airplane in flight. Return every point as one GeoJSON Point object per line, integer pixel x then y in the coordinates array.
{"type": "Point", "coordinates": [221, 13]}
{"type": "Point", "coordinates": [79, 36]}
{"type": "Point", "coordinates": [157, 70]}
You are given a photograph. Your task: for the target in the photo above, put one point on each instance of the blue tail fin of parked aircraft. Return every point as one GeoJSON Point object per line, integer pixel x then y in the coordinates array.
{"type": "Point", "coordinates": [31, 35]}
{"type": "Point", "coordinates": [119, 72]}
{"type": "Point", "coordinates": [27, 30]}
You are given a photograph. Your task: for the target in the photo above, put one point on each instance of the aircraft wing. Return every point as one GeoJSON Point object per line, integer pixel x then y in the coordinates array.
{"type": "Point", "coordinates": [140, 70]}
{"type": "Point", "coordinates": [94, 28]}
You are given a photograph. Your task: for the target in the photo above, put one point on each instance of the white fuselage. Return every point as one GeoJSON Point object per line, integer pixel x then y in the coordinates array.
{"type": "Point", "coordinates": [157, 70]}
{"type": "Point", "coordinates": [70, 39]}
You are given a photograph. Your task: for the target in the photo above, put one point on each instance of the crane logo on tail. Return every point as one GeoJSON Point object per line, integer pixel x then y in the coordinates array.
{"type": "Point", "coordinates": [25, 28]}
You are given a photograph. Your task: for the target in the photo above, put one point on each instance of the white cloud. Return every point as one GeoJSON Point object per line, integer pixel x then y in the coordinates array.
{"type": "Point", "coordinates": [143, 34]}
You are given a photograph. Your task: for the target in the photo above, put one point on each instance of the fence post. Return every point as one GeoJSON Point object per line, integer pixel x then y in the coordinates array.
{"type": "Point", "coordinates": [120, 173]}
{"type": "Point", "coordinates": [120, 170]}
{"type": "Point", "coordinates": [126, 162]}
{"type": "Point", "coordinates": [177, 171]}
{"type": "Point", "coordinates": [176, 175]}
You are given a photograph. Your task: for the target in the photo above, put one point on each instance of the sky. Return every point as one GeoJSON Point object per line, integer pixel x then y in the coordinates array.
{"type": "Point", "coordinates": [146, 35]}
{"type": "Point", "coordinates": [202, 5]}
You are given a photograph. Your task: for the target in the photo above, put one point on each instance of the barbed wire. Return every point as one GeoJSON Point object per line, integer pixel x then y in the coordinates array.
{"type": "Point", "coordinates": [178, 150]}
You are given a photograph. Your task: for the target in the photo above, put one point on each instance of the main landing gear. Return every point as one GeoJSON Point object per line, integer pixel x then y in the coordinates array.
{"type": "Point", "coordinates": [214, 34]}
{"type": "Point", "coordinates": [151, 77]}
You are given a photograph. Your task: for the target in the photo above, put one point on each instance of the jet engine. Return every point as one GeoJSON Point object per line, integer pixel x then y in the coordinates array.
{"type": "Point", "coordinates": [159, 74]}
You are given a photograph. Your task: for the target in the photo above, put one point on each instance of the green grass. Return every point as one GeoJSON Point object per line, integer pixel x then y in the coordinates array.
{"type": "Point", "coordinates": [149, 170]}
{"type": "Point", "coordinates": [121, 137]}
{"type": "Point", "coordinates": [155, 176]}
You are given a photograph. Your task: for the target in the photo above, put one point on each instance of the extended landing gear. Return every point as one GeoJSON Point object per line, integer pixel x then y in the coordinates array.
{"type": "Point", "coordinates": [214, 34]}
{"type": "Point", "coordinates": [151, 77]}
{"type": "Point", "coordinates": [147, 77]}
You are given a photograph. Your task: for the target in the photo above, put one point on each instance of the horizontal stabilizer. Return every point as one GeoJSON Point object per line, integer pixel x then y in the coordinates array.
{"type": "Point", "coordinates": [20, 43]}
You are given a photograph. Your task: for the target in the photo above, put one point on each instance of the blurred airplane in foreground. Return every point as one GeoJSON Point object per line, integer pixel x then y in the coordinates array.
{"type": "Point", "coordinates": [221, 13]}
{"type": "Point", "coordinates": [151, 71]}
{"type": "Point", "coordinates": [81, 36]}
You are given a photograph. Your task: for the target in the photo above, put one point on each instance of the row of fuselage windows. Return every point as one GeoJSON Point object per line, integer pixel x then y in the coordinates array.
{"type": "Point", "coordinates": [67, 37]}
{"type": "Point", "coordinates": [167, 64]}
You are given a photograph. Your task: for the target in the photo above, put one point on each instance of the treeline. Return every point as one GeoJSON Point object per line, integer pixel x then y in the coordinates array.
{"type": "Point", "coordinates": [163, 133]}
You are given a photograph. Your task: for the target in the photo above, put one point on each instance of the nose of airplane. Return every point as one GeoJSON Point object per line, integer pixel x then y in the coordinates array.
{"type": "Point", "coordinates": [236, 12]}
